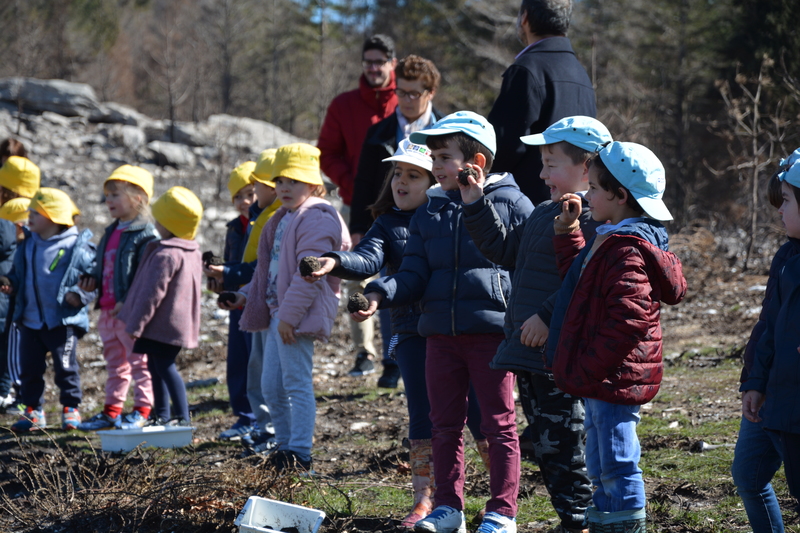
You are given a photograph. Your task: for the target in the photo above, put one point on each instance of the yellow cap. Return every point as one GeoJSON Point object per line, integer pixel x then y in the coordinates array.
{"type": "Point", "coordinates": [20, 175]}
{"type": "Point", "coordinates": [136, 175]}
{"type": "Point", "coordinates": [298, 161]}
{"type": "Point", "coordinates": [263, 171]}
{"type": "Point", "coordinates": [15, 210]}
{"type": "Point", "coordinates": [239, 177]}
{"type": "Point", "coordinates": [180, 211]}
{"type": "Point", "coordinates": [55, 205]}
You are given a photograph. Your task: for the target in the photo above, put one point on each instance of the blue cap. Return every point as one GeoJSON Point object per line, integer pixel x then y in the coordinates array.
{"type": "Point", "coordinates": [641, 172]}
{"type": "Point", "coordinates": [792, 176]}
{"type": "Point", "coordinates": [792, 159]}
{"type": "Point", "coordinates": [586, 133]}
{"type": "Point", "coordinates": [467, 122]}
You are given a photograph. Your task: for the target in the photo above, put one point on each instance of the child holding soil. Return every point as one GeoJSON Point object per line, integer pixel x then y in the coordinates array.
{"type": "Point", "coordinates": [293, 312]}
{"type": "Point", "coordinates": [604, 342]}
{"type": "Point", "coordinates": [50, 307]}
{"type": "Point", "coordinates": [127, 192]}
{"type": "Point", "coordinates": [403, 192]}
{"type": "Point", "coordinates": [771, 394]}
{"type": "Point", "coordinates": [162, 309]}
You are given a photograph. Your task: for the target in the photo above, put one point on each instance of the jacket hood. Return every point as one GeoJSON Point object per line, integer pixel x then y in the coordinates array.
{"type": "Point", "coordinates": [175, 242]}
{"type": "Point", "coordinates": [438, 197]}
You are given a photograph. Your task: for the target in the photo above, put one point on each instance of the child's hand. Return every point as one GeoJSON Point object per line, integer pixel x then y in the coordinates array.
{"type": "Point", "coordinates": [472, 190]}
{"type": "Point", "coordinates": [326, 264]}
{"type": "Point", "coordinates": [5, 285]}
{"type": "Point", "coordinates": [374, 299]}
{"type": "Point", "coordinates": [87, 283]}
{"type": "Point", "coordinates": [114, 312]}
{"type": "Point", "coordinates": [286, 331]}
{"type": "Point", "coordinates": [752, 401]}
{"type": "Point", "coordinates": [73, 299]}
{"type": "Point", "coordinates": [534, 332]}
{"type": "Point", "coordinates": [237, 302]}
{"type": "Point", "coordinates": [213, 271]}
{"type": "Point", "coordinates": [567, 221]}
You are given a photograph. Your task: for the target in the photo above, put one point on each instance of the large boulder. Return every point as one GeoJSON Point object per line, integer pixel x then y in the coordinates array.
{"type": "Point", "coordinates": [119, 114]}
{"type": "Point", "coordinates": [246, 134]}
{"type": "Point", "coordinates": [173, 154]}
{"type": "Point", "coordinates": [59, 96]}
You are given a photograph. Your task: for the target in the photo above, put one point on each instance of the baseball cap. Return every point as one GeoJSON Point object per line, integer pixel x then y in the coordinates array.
{"type": "Point", "coordinates": [586, 133]}
{"type": "Point", "coordinates": [641, 172]}
{"type": "Point", "coordinates": [467, 122]}
{"type": "Point", "coordinates": [792, 175]}
{"type": "Point", "coordinates": [416, 154]}
{"type": "Point", "coordinates": [792, 159]}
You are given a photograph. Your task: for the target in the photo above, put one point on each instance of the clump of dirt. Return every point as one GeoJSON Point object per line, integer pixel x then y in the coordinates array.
{"type": "Point", "coordinates": [465, 173]}
{"type": "Point", "coordinates": [309, 265]}
{"type": "Point", "coordinates": [210, 259]}
{"type": "Point", "coordinates": [357, 302]}
{"type": "Point", "coordinates": [226, 298]}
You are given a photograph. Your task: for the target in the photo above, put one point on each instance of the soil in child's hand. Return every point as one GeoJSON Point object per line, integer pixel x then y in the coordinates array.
{"type": "Point", "coordinates": [210, 259]}
{"type": "Point", "coordinates": [462, 176]}
{"type": "Point", "coordinates": [309, 265]}
{"type": "Point", "coordinates": [4, 281]}
{"type": "Point", "coordinates": [226, 298]}
{"type": "Point", "coordinates": [357, 302]}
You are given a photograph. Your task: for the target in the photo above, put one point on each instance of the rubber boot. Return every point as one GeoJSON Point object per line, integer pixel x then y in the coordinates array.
{"type": "Point", "coordinates": [617, 522]}
{"type": "Point", "coordinates": [422, 481]}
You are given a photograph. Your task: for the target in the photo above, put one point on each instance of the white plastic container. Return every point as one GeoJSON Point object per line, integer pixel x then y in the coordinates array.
{"type": "Point", "coordinates": [125, 440]}
{"type": "Point", "coordinates": [261, 515]}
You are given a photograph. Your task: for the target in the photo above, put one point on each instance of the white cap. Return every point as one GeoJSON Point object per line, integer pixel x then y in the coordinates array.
{"type": "Point", "coordinates": [416, 154]}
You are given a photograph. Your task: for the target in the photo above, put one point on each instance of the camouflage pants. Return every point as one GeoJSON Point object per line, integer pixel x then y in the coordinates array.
{"type": "Point", "coordinates": [556, 421]}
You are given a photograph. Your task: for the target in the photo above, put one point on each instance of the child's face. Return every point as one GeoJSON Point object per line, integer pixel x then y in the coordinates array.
{"type": "Point", "coordinates": [409, 183]}
{"type": "Point", "coordinates": [790, 211]}
{"type": "Point", "coordinates": [560, 174]}
{"type": "Point", "coordinates": [120, 205]}
{"type": "Point", "coordinates": [41, 225]}
{"type": "Point", "coordinates": [604, 204]}
{"type": "Point", "coordinates": [292, 193]}
{"type": "Point", "coordinates": [243, 199]}
{"type": "Point", "coordinates": [265, 194]}
{"type": "Point", "coordinates": [447, 162]}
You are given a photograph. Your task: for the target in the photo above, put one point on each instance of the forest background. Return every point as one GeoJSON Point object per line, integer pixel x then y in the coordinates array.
{"type": "Point", "coordinates": [710, 85]}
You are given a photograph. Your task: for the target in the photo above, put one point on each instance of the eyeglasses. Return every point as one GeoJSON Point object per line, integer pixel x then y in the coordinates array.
{"type": "Point", "coordinates": [412, 95]}
{"type": "Point", "coordinates": [373, 63]}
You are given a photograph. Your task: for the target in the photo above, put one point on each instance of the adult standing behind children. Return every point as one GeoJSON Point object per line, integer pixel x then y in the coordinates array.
{"type": "Point", "coordinates": [545, 83]}
{"type": "Point", "coordinates": [417, 81]}
{"type": "Point", "coordinates": [340, 140]}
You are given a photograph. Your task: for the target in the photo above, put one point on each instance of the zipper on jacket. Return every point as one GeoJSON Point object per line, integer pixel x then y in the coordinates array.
{"type": "Point", "coordinates": [500, 287]}
{"type": "Point", "coordinates": [36, 285]}
{"type": "Point", "coordinates": [455, 272]}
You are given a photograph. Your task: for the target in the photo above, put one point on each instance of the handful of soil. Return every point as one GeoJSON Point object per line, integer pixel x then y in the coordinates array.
{"type": "Point", "coordinates": [226, 298]}
{"type": "Point", "coordinates": [309, 265]}
{"type": "Point", "coordinates": [83, 277]}
{"type": "Point", "coordinates": [210, 259]}
{"type": "Point", "coordinates": [5, 282]}
{"type": "Point", "coordinates": [462, 176]}
{"type": "Point", "coordinates": [357, 302]}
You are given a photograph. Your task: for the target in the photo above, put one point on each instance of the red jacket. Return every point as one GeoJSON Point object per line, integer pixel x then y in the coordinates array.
{"type": "Point", "coordinates": [609, 344]}
{"type": "Point", "coordinates": [345, 127]}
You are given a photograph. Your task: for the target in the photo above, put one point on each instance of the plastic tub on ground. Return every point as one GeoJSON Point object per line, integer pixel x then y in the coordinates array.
{"type": "Point", "coordinates": [125, 440]}
{"type": "Point", "coordinates": [260, 515]}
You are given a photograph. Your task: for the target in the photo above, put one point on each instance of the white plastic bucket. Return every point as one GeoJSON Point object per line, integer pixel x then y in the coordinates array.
{"type": "Point", "coordinates": [125, 440]}
{"type": "Point", "coordinates": [261, 515]}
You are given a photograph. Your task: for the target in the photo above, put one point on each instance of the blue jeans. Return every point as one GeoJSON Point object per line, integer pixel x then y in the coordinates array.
{"type": "Point", "coordinates": [612, 456]}
{"type": "Point", "coordinates": [755, 461]}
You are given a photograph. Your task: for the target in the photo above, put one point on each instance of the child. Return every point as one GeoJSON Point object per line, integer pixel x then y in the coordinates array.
{"type": "Point", "coordinates": [403, 192]}
{"type": "Point", "coordinates": [234, 275]}
{"type": "Point", "coordinates": [758, 451]}
{"type": "Point", "coordinates": [243, 196]}
{"type": "Point", "coordinates": [162, 309]}
{"type": "Point", "coordinates": [605, 334]}
{"type": "Point", "coordinates": [14, 215]}
{"type": "Point", "coordinates": [771, 390]}
{"type": "Point", "coordinates": [127, 191]}
{"type": "Point", "coordinates": [294, 312]}
{"type": "Point", "coordinates": [554, 416]}
{"type": "Point", "coordinates": [50, 307]}
{"type": "Point", "coordinates": [463, 297]}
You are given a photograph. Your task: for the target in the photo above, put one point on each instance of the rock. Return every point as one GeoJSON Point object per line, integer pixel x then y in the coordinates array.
{"type": "Point", "coordinates": [188, 134]}
{"type": "Point", "coordinates": [118, 114]}
{"type": "Point", "coordinates": [173, 154]}
{"type": "Point", "coordinates": [130, 137]}
{"type": "Point", "coordinates": [246, 134]}
{"type": "Point", "coordinates": [59, 96]}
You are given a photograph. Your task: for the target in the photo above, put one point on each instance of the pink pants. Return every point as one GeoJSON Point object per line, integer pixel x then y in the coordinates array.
{"type": "Point", "coordinates": [123, 365]}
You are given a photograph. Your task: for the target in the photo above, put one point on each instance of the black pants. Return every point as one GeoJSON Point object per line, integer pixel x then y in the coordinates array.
{"type": "Point", "coordinates": [62, 343]}
{"type": "Point", "coordinates": [167, 382]}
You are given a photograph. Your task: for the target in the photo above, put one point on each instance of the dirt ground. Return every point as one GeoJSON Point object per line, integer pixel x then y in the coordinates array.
{"type": "Point", "coordinates": [720, 308]}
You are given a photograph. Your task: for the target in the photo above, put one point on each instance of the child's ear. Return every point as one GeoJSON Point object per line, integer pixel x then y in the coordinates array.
{"type": "Point", "coordinates": [479, 160]}
{"type": "Point", "coordinates": [624, 196]}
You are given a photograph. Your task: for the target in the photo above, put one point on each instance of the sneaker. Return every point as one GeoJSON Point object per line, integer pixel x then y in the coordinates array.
{"type": "Point", "coordinates": [363, 366]}
{"type": "Point", "coordinates": [497, 523]}
{"type": "Point", "coordinates": [133, 420]}
{"type": "Point", "coordinates": [100, 421]}
{"type": "Point", "coordinates": [443, 519]}
{"type": "Point", "coordinates": [29, 420]}
{"type": "Point", "coordinates": [288, 460]}
{"type": "Point", "coordinates": [259, 444]}
{"type": "Point", "coordinates": [390, 377]}
{"type": "Point", "coordinates": [70, 418]}
{"type": "Point", "coordinates": [7, 401]}
{"type": "Point", "coordinates": [236, 431]}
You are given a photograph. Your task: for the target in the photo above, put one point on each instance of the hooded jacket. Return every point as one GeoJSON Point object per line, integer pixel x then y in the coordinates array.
{"type": "Point", "coordinates": [345, 128]}
{"type": "Point", "coordinates": [605, 334]}
{"type": "Point", "coordinates": [460, 291]}
{"type": "Point", "coordinates": [8, 245]}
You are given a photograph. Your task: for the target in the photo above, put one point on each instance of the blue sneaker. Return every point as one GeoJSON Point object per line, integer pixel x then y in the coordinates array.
{"type": "Point", "coordinates": [99, 422]}
{"type": "Point", "coordinates": [133, 420]}
{"type": "Point", "coordinates": [70, 418]}
{"type": "Point", "coordinates": [443, 519]}
{"type": "Point", "coordinates": [30, 419]}
{"type": "Point", "coordinates": [236, 431]}
{"type": "Point", "coordinates": [497, 523]}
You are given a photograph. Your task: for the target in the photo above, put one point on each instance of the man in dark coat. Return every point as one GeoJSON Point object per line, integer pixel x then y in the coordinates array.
{"type": "Point", "coordinates": [545, 83]}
